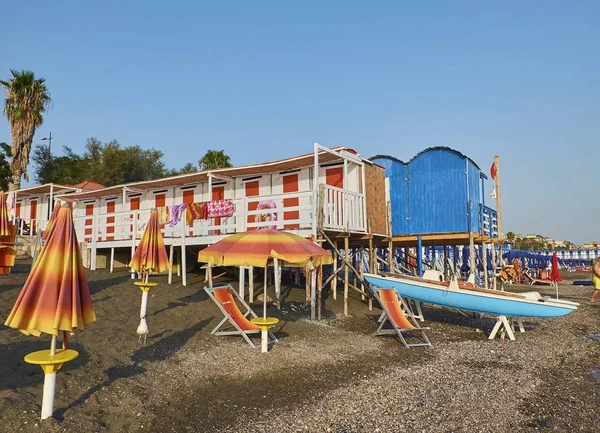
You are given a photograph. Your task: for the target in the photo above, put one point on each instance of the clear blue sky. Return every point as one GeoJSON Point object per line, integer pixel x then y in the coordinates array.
{"type": "Point", "coordinates": [264, 80]}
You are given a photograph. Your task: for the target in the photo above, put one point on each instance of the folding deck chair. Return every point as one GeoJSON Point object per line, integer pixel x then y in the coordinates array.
{"type": "Point", "coordinates": [397, 313]}
{"type": "Point", "coordinates": [240, 325]}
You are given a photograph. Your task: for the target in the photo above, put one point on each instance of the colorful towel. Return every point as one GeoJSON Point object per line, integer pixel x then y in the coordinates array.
{"type": "Point", "coordinates": [164, 215]}
{"type": "Point", "coordinates": [195, 211]}
{"type": "Point", "coordinates": [176, 211]}
{"type": "Point", "coordinates": [220, 208]}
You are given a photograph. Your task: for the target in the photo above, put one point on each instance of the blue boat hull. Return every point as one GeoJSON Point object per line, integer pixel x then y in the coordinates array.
{"type": "Point", "coordinates": [470, 301]}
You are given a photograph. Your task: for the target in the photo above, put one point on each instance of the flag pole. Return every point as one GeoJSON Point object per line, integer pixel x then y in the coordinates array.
{"type": "Point", "coordinates": [498, 207]}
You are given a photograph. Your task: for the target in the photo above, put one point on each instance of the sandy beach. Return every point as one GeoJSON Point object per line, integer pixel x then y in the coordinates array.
{"type": "Point", "coordinates": [327, 376]}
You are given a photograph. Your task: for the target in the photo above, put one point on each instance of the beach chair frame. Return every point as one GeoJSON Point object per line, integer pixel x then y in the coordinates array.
{"type": "Point", "coordinates": [395, 330]}
{"type": "Point", "coordinates": [237, 330]}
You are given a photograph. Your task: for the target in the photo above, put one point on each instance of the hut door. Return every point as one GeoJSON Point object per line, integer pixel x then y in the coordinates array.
{"type": "Point", "coordinates": [335, 177]}
{"type": "Point", "coordinates": [159, 200]}
{"type": "Point", "coordinates": [89, 210]}
{"type": "Point", "coordinates": [188, 198]}
{"type": "Point", "coordinates": [290, 185]}
{"type": "Point", "coordinates": [334, 200]}
{"type": "Point", "coordinates": [252, 190]}
{"type": "Point", "coordinates": [18, 210]}
{"type": "Point", "coordinates": [110, 208]}
{"type": "Point", "coordinates": [218, 193]}
{"type": "Point", "coordinates": [134, 204]}
{"type": "Point", "coordinates": [32, 215]}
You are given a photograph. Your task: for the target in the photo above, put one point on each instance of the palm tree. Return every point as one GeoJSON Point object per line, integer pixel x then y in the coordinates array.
{"type": "Point", "coordinates": [214, 159]}
{"type": "Point", "coordinates": [27, 99]}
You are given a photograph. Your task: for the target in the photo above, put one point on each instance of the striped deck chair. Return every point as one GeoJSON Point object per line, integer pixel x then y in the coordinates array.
{"type": "Point", "coordinates": [240, 325]}
{"type": "Point", "coordinates": [398, 314]}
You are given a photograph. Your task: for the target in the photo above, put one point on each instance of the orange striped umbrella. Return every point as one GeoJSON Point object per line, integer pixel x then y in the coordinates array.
{"type": "Point", "coordinates": [151, 254]}
{"type": "Point", "coordinates": [56, 296]}
{"type": "Point", "coordinates": [51, 222]}
{"type": "Point", "coordinates": [256, 247]}
{"type": "Point", "coordinates": [4, 228]}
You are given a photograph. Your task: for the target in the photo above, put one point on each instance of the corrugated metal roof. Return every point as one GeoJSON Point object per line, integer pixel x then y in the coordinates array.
{"type": "Point", "coordinates": [43, 189]}
{"type": "Point", "coordinates": [293, 163]}
{"type": "Point", "coordinates": [429, 149]}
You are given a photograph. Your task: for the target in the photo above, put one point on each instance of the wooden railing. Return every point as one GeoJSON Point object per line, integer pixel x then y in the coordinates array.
{"type": "Point", "coordinates": [343, 209]}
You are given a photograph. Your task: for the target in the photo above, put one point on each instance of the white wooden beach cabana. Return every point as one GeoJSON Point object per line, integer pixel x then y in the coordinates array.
{"type": "Point", "coordinates": [283, 194]}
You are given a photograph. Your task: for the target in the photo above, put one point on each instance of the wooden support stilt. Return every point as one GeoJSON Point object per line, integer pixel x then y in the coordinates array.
{"type": "Point", "coordinates": [320, 292]}
{"type": "Point", "coordinates": [390, 242]}
{"type": "Point", "coordinates": [171, 264]}
{"type": "Point", "coordinates": [494, 286]}
{"type": "Point", "coordinates": [445, 268]}
{"type": "Point", "coordinates": [251, 283]}
{"type": "Point", "coordinates": [313, 294]}
{"type": "Point", "coordinates": [335, 271]}
{"type": "Point", "coordinates": [346, 273]}
{"type": "Point", "coordinates": [241, 282]}
{"type": "Point", "coordinates": [112, 260]}
{"type": "Point", "coordinates": [307, 284]}
{"type": "Point", "coordinates": [471, 253]}
{"type": "Point", "coordinates": [485, 267]}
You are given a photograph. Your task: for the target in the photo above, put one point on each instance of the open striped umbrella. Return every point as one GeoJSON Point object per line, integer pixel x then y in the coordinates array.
{"type": "Point", "coordinates": [149, 256]}
{"type": "Point", "coordinates": [51, 221]}
{"type": "Point", "coordinates": [257, 247]}
{"type": "Point", "coordinates": [4, 227]}
{"type": "Point", "coordinates": [54, 299]}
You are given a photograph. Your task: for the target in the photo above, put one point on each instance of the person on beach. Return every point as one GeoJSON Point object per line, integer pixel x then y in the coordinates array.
{"type": "Point", "coordinates": [596, 278]}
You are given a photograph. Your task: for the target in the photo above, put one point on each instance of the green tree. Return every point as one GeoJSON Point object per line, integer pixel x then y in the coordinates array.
{"type": "Point", "coordinates": [5, 173]}
{"type": "Point", "coordinates": [186, 169]}
{"type": "Point", "coordinates": [214, 159]}
{"type": "Point", "coordinates": [510, 237]}
{"type": "Point", "coordinates": [66, 169]}
{"type": "Point", "coordinates": [27, 99]}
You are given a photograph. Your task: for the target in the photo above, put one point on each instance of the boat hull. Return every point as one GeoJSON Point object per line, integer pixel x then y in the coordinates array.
{"type": "Point", "coordinates": [471, 301]}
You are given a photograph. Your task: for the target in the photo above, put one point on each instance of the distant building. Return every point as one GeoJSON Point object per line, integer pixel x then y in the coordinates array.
{"type": "Point", "coordinates": [591, 245]}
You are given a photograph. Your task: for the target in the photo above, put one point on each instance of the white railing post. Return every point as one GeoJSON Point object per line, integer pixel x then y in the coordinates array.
{"type": "Point", "coordinates": [94, 241]}
{"type": "Point", "coordinates": [183, 258]}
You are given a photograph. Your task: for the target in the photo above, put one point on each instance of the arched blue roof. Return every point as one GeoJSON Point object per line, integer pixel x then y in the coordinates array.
{"type": "Point", "coordinates": [429, 149]}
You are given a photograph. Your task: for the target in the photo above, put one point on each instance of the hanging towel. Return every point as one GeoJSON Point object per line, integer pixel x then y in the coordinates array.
{"type": "Point", "coordinates": [220, 208]}
{"type": "Point", "coordinates": [164, 216]}
{"type": "Point", "coordinates": [176, 211]}
{"type": "Point", "coordinates": [195, 211]}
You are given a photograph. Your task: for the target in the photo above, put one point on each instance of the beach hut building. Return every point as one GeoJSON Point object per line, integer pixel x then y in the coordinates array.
{"type": "Point", "coordinates": [335, 190]}
{"type": "Point", "coordinates": [438, 198]}
{"type": "Point", "coordinates": [33, 205]}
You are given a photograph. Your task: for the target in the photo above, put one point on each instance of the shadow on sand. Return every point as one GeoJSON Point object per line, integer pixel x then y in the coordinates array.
{"type": "Point", "coordinates": [159, 351]}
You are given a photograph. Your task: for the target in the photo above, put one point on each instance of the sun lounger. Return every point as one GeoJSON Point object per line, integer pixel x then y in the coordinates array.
{"type": "Point", "coordinates": [225, 298]}
{"type": "Point", "coordinates": [402, 320]}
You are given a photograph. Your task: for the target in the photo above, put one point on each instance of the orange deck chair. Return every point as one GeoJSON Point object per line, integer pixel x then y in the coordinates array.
{"type": "Point", "coordinates": [240, 325]}
{"type": "Point", "coordinates": [398, 314]}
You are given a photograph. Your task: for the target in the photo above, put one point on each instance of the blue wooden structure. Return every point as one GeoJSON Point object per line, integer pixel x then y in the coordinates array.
{"type": "Point", "coordinates": [440, 190]}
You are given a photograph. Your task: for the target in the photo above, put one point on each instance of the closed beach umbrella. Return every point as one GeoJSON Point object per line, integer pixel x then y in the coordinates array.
{"type": "Point", "coordinates": [257, 247]}
{"type": "Point", "coordinates": [4, 227]}
{"type": "Point", "coordinates": [54, 299]}
{"type": "Point", "coordinates": [149, 256]}
{"type": "Point", "coordinates": [555, 274]}
{"type": "Point", "coordinates": [51, 222]}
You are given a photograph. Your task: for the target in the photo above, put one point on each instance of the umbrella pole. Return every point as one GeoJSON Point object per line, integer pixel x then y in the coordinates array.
{"type": "Point", "coordinates": [265, 294]}
{"type": "Point", "coordinates": [277, 283]}
{"type": "Point", "coordinates": [49, 386]}
{"type": "Point", "coordinates": [143, 326]}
